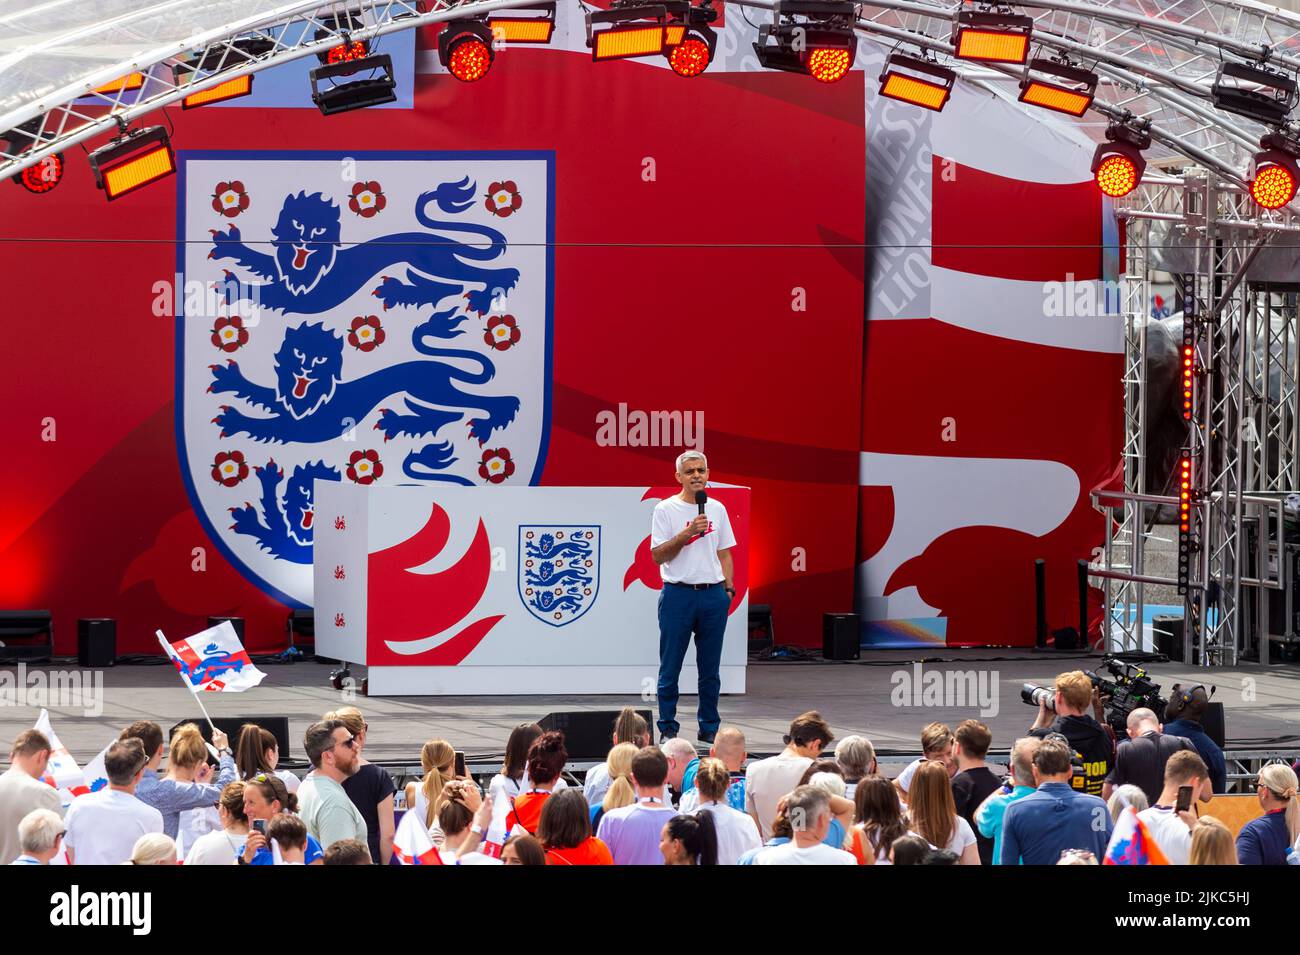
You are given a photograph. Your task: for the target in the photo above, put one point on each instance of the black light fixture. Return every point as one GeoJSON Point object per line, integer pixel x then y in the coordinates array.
{"type": "Point", "coordinates": [1275, 172]}
{"type": "Point", "coordinates": [132, 161]}
{"type": "Point", "coordinates": [1059, 86]}
{"type": "Point", "coordinates": [1118, 163]}
{"type": "Point", "coordinates": [359, 93]}
{"type": "Point", "coordinates": [1254, 92]}
{"type": "Point", "coordinates": [627, 29]}
{"type": "Point", "coordinates": [689, 40]}
{"type": "Point", "coordinates": [342, 26]}
{"type": "Point", "coordinates": [222, 56]}
{"type": "Point", "coordinates": [465, 48]}
{"type": "Point", "coordinates": [46, 173]}
{"type": "Point", "coordinates": [921, 82]}
{"type": "Point", "coordinates": [534, 23]}
{"type": "Point", "coordinates": [809, 36]}
{"type": "Point", "coordinates": [991, 36]}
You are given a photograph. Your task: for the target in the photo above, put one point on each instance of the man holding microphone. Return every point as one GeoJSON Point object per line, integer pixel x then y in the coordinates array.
{"type": "Point", "coordinates": [691, 541]}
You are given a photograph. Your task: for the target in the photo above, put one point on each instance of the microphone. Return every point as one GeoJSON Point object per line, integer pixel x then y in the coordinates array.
{"type": "Point", "coordinates": [700, 498]}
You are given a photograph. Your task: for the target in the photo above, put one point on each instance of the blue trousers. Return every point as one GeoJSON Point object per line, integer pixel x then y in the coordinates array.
{"type": "Point", "coordinates": [683, 611]}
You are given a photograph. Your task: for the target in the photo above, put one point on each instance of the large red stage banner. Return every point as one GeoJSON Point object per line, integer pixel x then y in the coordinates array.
{"type": "Point", "coordinates": [690, 272]}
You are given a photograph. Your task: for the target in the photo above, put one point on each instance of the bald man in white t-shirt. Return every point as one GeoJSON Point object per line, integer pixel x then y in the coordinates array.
{"type": "Point", "coordinates": [693, 551]}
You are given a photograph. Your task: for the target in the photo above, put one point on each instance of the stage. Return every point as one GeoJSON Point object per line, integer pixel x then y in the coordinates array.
{"type": "Point", "coordinates": [856, 697]}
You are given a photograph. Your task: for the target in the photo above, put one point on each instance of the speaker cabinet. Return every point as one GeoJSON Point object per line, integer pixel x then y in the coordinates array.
{"type": "Point", "coordinates": [96, 642]}
{"type": "Point", "coordinates": [840, 638]}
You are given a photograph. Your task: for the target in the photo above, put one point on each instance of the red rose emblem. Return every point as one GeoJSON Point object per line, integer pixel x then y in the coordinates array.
{"type": "Point", "coordinates": [364, 467]}
{"type": "Point", "coordinates": [502, 332]}
{"type": "Point", "coordinates": [229, 333]}
{"type": "Point", "coordinates": [367, 333]}
{"type": "Point", "coordinates": [496, 465]}
{"type": "Point", "coordinates": [229, 468]}
{"type": "Point", "coordinates": [367, 199]}
{"type": "Point", "coordinates": [230, 198]}
{"type": "Point", "coordinates": [503, 198]}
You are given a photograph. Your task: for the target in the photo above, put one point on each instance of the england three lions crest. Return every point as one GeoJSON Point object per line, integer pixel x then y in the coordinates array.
{"type": "Point", "coordinates": [559, 570]}
{"type": "Point", "coordinates": [370, 317]}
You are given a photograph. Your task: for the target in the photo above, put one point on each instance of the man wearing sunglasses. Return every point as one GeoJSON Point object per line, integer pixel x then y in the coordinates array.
{"type": "Point", "coordinates": [323, 804]}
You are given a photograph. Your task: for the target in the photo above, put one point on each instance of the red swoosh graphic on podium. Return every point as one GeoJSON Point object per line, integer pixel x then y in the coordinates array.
{"type": "Point", "coordinates": [406, 606]}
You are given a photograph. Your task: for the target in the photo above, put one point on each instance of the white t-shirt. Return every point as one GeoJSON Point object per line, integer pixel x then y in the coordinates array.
{"type": "Point", "coordinates": [216, 848]}
{"type": "Point", "coordinates": [737, 833]}
{"type": "Point", "coordinates": [766, 781]}
{"type": "Point", "coordinates": [503, 791]}
{"type": "Point", "coordinates": [104, 826]}
{"type": "Point", "coordinates": [1170, 833]}
{"type": "Point", "coordinates": [596, 784]}
{"type": "Point", "coordinates": [962, 836]}
{"type": "Point", "coordinates": [697, 562]}
{"type": "Point", "coordinates": [791, 854]}
{"type": "Point", "coordinates": [905, 777]}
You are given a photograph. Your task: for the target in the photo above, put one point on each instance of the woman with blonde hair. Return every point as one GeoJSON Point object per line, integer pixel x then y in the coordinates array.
{"type": "Point", "coordinates": [736, 832]}
{"type": "Point", "coordinates": [438, 760]}
{"type": "Point", "coordinates": [187, 794]}
{"type": "Point", "coordinates": [154, 848]}
{"type": "Point", "coordinates": [370, 788]}
{"type": "Point", "coordinates": [629, 727]}
{"type": "Point", "coordinates": [933, 813]}
{"type": "Point", "coordinates": [1264, 841]}
{"type": "Point", "coordinates": [1212, 843]}
{"type": "Point", "coordinates": [620, 792]}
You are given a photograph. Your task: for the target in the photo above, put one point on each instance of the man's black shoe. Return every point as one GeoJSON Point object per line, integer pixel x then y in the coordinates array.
{"type": "Point", "coordinates": [706, 737]}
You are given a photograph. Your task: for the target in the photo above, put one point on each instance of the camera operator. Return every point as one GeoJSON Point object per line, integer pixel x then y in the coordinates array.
{"type": "Point", "coordinates": [1141, 758]}
{"type": "Point", "coordinates": [1185, 716]}
{"type": "Point", "coordinates": [1092, 741]}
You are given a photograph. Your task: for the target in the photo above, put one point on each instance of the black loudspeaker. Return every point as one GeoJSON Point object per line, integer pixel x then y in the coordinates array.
{"type": "Point", "coordinates": [236, 622]}
{"type": "Point", "coordinates": [587, 733]}
{"type": "Point", "coordinates": [32, 629]}
{"type": "Point", "coordinates": [761, 630]}
{"type": "Point", "coordinates": [840, 639]}
{"type": "Point", "coordinates": [278, 726]}
{"type": "Point", "coordinates": [1168, 634]}
{"type": "Point", "coordinates": [1215, 724]}
{"type": "Point", "coordinates": [96, 642]}
{"type": "Point", "coordinates": [1067, 638]}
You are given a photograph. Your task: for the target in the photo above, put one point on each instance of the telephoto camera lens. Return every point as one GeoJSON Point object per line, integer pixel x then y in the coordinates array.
{"type": "Point", "coordinates": [1033, 694]}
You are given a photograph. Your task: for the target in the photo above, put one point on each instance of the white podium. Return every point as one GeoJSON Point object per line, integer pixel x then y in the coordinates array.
{"type": "Point", "coordinates": [504, 590]}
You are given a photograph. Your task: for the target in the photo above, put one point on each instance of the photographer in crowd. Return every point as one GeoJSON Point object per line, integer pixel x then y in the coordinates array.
{"type": "Point", "coordinates": [1067, 714]}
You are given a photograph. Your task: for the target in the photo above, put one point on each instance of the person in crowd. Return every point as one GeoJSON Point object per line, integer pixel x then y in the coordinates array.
{"type": "Point", "coordinates": [933, 814]}
{"type": "Point", "coordinates": [735, 830]}
{"type": "Point", "coordinates": [629, 727]}
{"type": "Point", "coordinates": [620, 792]}
{"type": "Point", "coordinates": [1056, 816]}
{"type": "Point", "coordinates": [1264, 841]}
{"type": "Point", "coordinates": [974, 782]}
{"type": "Point", "coordinates": [857, 758]}
{"type": "Point", "coordinates": [1125, 796]}
{"type": "Point", "coordinates": [991, 814]}
{"type": "Point", "coordinates": [689, 840]}
{"type": "Point", "coordinates": [1069, 716]}
{"type": "Point", "coordinates": [259, 752]}
{"type": "Point", "coordinates": [1170, 829]}
{"type": "Point", "coordinates": [1212, 843]}
{"type": "Point", "coordinates": [632, 833]}
{"type": "Point", "coordinates": [226, 845]}
{"type": "Point", "coordinates": [154, 848]}
{"type": "Point", "coordinates": [936, 745]}
{"type": "Point", "coordinates": [40, 837]}
{"type": "Point", "coordinates": [683, 762]}
{"type": "Point", "coordinates": [523, 849]}
{"type": "Point", "coordinates": [832, 782]}
{"type": "Point", "coordinates": [348, 852]}
{"type": "Point", "coordinates": [188, 782]}
{"type": "Point", "coordinates": [728, 746]}
{"type": "Point", "coordinates": [809, 811]}
{"type": "Point", "coordinates": [941, 857]}
{"type": "Point", "coordinates": [1185, 716]}
{"type": "Point", "coordinates": [438, 760]}
{"type": "Point", "coordinates": [1140, 759]}
{"type": "Point", "coordinates": [513, 779]}
{"type": "Point", "coordinates": [22, 791]}
{"type": "Point", "coordinates": [463, 818]}
{"type": "Point", "coordinates": [564, 829]}
{"type": "Point", "coordinates": [324, 804]}
{"type": "Point", "coordinates": [546, 759]}
{"type": "Point", "coordinates": [909, 850]}
{"type": "Point", "coordinates": [370, 788]}
{"type": "Point", "coordinates": [878, 821]}
{"type": "Point", "coordinates": [265, 797]}
{"type": "Point", "coordinates": [103, 826]}
{"type": "Point", "coordinates": [768, 780]}
{"type": "Point", "coordinates": [782, 833]}
{"type": "Point", "coordinates": [288, 833]}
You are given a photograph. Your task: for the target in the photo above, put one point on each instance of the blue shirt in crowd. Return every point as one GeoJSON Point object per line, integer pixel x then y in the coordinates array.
{"type": "Point", "coordinates": [1208, 748]}
{"type": "Point", "coordinates": [1264, 841]}
{"type": "Point", "coordinates": [990, 816]}
{"type": "Point", "coordinates": [172, 798]}
{"type": "Point", "coordinates": [1054, 817]}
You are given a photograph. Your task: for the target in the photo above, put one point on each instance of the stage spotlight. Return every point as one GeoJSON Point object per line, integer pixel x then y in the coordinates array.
{"type": "Point", "coordinates": [123, 84]}
{"type": "Point", "coordinates": [1117, 164]}
{"type": "Point", "coordinates": [1276, 173]}
{"type": "Point", "coordinates": [625, 30]}
{"type": "Point", "coordinates": [1253, 92]}
{"type": "Point", "coordinates": [914, 80]}
{"type": "Point", "coordinates": [43, 175]}
{"type": "Point", "coordinates": [132, 161]}
{"type": "Point", "coordinates": [534, 24]}
{"type": "Point", "coordinates": [1185, 497]}
{"type": "Point", "coordinates": [225, 55]}
{"type": "Point", "coordinates": [1189, 365]}
{"type": "Point", "coordinates": [988, 37]}
{"type": "Point", "coordinates": [809, 36]}
{"type": "Point", "coordinates": [1058, 86]}
{"type": "Point", "coordinates": [690, 40]}
{"type": "Point", "coordinates": [357, 94]}
{"type": "Point", "coordinates": [227, 90]}
{"type": "Point", "coordinates": [342, 25]}
{"type": "Point", "coordinates": [465, 49]}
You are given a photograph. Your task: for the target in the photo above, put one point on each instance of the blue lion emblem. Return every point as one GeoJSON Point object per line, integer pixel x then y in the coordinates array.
{"type": "Point", "coordinates": [212, 664]}
{"type": "Point", "coordinates": [309, 273]}
{"type": "Point", "coordinates": [559, 571]}
{"type": "Point", "coordinates": [284, 528]}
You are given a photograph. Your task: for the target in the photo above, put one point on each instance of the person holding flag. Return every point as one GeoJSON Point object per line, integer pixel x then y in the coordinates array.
{"type": "Point", "coordinates": [186, 784]}
{"type": "Point", "coordinates": [22, 791]}
{"type": "Point", "coordinates": [1131, 843]}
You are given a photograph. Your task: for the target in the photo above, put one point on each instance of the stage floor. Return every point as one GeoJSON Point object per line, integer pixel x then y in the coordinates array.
{"type": "Point", "coordinates": [1262, 703]}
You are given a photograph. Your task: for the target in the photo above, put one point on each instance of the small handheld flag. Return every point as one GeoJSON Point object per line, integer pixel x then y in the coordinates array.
{"type": "Point", "coordinates": [411, 842]}
{"type": "Point", "coordinates": [213, 661]}
{"type": "Point", "coordinates": [1131, 843]}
